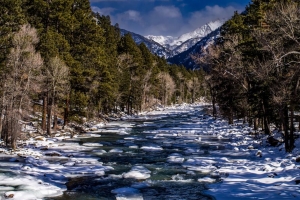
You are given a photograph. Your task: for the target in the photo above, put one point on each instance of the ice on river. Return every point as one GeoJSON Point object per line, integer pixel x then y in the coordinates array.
{"type": "Point", "coordinates": [244, 168]}
{"type": "Point", "coordinates": [138, 172]}
{"type": "Point", "coordinates": [127, 193]}
{"type": "Point", "coordinates": [28, 187]}
{"type": "Point", "coordinates": [152, 147]}
{"type": "Point", "coordinates": [175, 158]}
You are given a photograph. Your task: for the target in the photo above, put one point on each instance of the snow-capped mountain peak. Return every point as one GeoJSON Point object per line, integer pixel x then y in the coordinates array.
{"type": "Point", "coordinates": [216, 24]}
{"type": "Point", "coordinates": [182, 43]}
{"type": "Point", "coordinates": [163, 40]}
{"type": "Point", "coordinates": [168, 46]}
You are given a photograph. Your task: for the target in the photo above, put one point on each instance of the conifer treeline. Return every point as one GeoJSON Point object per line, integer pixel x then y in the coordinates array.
{"type": "Point", "coordinates": [254, 67]}
{"type": "Point", "coordinates": [60, 52]}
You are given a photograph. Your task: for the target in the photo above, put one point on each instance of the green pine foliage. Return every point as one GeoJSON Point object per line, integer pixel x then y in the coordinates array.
{"type": "Point", "coordinates": [254, 73]}
{"type": "Point", "coordinates": [106, 72]}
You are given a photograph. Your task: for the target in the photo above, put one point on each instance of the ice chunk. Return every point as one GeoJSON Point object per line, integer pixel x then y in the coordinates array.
{"type": "Point", "coordinates": [138, 172]}
{"type": "Point", "coordinates": [206, 180]}
{"type": "Point", "coordinates": [152, 148]}
{"type": "Point", "coordinates": [175, 158]}
{"type": "Point", "coordinates": [127, 193]}
{"type": "Point", "coordinates": [116, 151]}
{"type": "Point", "coordinates": [92, 144]}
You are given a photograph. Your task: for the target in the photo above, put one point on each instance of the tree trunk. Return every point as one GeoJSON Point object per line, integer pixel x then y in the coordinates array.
{"type": "Point", "coordinates": [14, 130]}
{"type": "Point", "coordinates": [230, 117]}
{"type": "Point", "coordinates": [1, 122]}
{"type": "Point", "coordinates": [127, 107]}
{"type": "Point", "coordinates": [265, 119]}
{"type": "Point", "coordinates": [281, 114]}
{"type": "Point", "coordinates": [49, 110]}
{"type": "Point", "coordinates": [44, 113]}
{"type": "Point", "coordinates": [286, 129]}
{"type": "Point", "coordinates": [54, 120]}
{"type": "Point", "coordinates": [213, 99]}
{"type": "Point", "coordinates": [267, 126]}
{"type": "Point", "coordinates": [292, 128]}
{"type": "Point", "coordinates": [255, 124]}
{"type": "Point", "coordinates": [66, 113]}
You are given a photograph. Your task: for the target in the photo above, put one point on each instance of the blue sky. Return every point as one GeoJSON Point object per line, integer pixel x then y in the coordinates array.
{"type": "Point", "coordinates": [166, 17]}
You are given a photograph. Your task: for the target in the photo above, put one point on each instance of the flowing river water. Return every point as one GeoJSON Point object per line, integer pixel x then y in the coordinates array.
{"type": "Point", "coordinates": [169, 147]}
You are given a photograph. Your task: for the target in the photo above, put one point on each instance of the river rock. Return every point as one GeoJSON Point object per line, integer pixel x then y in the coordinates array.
{"type": "Point", "coordinates": [9, 195]}
{"type": "Point", "coordinates": [259, 153]}
{"type": "Point", "coordinates": [44, 148]}
{"type": "Point", "coordinates": [40, 138]}
{"type": "Point", "coordinates": [52, 153]}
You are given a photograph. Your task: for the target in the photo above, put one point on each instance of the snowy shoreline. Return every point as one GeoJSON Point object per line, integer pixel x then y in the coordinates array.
{"type": "Point", "coordinates": [245, 169]}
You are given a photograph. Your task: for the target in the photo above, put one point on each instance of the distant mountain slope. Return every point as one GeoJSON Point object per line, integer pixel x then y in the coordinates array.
{"type": "Point", "coordinates": [178, 49]}
{"type": "Point", "coordinates": [185, 58]}
{"type": "Point", "coordinates": [180, 44]}
{"type": "Point", "coordinates": [153, 46]}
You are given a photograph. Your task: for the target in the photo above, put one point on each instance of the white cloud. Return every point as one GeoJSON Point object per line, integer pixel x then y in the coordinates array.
{"type": "Point", "coordinates": [103, 11]}
{"type": "Point", "coordinates": [167, 11]}
{"type": "Point", "coordinates": [133, 15]}
{"type": "Point", "coordinates": [130, 15]}
{"type": "Point", "coordinates": [93, 1]}
{"type": "Point", "coordinates": [166, 20]}
{"type": "Point", "coordinates": [208, 14]}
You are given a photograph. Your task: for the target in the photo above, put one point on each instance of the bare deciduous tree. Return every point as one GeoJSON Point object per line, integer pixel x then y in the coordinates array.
{"type": "Point", "coordinates": [167, 86]}
{"type": "Point", "coordinates": [281, 40]}
{"type": "Point", "coordinates": [20, 79]}
{"type": "Point", "coordinates": [57, 74]}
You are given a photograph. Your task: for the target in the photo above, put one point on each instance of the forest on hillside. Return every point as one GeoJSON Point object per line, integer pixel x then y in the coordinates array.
{"type": "Point", "coordinates": [60, 59]}
{"type": "Point", "coordinates": [254, 67]}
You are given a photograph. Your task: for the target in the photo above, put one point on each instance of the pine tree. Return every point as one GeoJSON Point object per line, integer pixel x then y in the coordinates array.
{"type": "Point", "coordinates": [11, 18]}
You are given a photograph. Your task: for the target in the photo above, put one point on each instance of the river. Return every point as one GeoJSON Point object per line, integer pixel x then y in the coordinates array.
{"type": "Point", "coordinates": [169, 149]}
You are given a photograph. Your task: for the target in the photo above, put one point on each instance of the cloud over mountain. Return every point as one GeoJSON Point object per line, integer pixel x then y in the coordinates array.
{"type": "Point", "coordinates": [163, 17]}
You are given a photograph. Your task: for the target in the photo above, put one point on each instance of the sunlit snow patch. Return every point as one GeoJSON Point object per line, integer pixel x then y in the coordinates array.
{"type": "Point", "coordinates": [152, 148]}
{"type": "Point", "coordinates": [138, 172]}
{"type": "Point", "coordinates": [29, 187]}
{"type": "Point", "coordinates": [175, 158]}
{"type": "Point", "coordinates": [116, 150]}
{"type": "Point", "coordinates": [127, 193]}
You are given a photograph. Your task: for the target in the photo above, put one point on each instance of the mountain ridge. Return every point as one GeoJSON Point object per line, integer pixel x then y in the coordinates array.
{"type": "Point", "coordinates": [178, 50]}
{"type": "Point", "coordinates": [185, 58]}
{"type": "Point", "coordinates": [173, 43]}
{"type": "Point", "coordinates": [153, 46]}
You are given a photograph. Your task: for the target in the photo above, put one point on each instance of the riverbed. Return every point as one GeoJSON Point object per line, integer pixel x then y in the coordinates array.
{"type": "Point", "coordinates": [178, 152]}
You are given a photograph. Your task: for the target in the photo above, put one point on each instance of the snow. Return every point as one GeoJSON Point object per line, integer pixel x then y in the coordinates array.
{"type": "Point", "coordinates": [32, 171]}
{"type": "Point", "coordinates": [152, 148]}
{"type": "Point", "coordinates": [138, 172]}
{"type": "Point", "coordinates": [246, 169]}
{"type": "Point", "coordinates": [175, 158]}
{"type": "Point", "coordinates": [116, 150]}
{"type": "Point", "coordinates": [127, 193]}
{"type": "Point", "coordinates": [180, 44]}
{"type": "Point", "coordinates": [163, 40]}
{"type": "Point", "coordinates": [235, 166]}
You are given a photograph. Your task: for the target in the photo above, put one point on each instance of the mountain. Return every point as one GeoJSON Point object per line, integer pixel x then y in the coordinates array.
{"type": "Point", "coordinates": [153, 46]}
{"type": "Point", "coordinates": [185, 58]}
{"type": "Point", "coordinates": [182, 43]}
{"type": "Point", "coordinates": [178, 50]}
{"type": "Point", "coordinates": [168, 46]}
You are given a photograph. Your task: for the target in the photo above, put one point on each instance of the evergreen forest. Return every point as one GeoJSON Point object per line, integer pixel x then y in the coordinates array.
{"type": "Point", "coordinates": [60, 59]}
{"type": "Point", "coordinates": [254, 69]}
